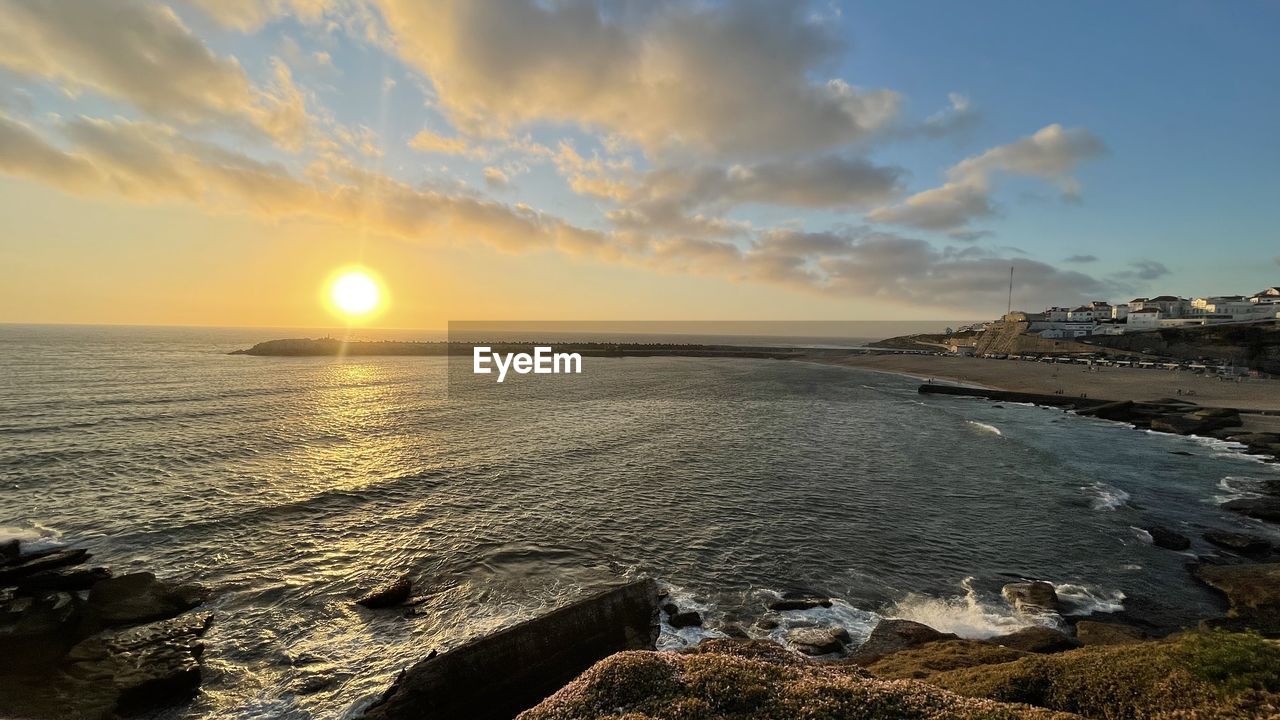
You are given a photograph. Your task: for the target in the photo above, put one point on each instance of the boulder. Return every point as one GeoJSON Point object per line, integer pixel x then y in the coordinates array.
{"type": "Point", "coordinates": [688, 618]}
{"type": "Point", "coordinates": [735, 631]}
{"type": "Point", "coordinates": [1253, 592]}
{"type": "Point", "coordinates": [1263, 508]}
{"type": "Point", "coordinates": [1091, 632]}
{"type": "Point", "coordinates": [786, 604]}
{"type": "Point", "coordinates": [37, 631]}
{"type": "Point", "coordinates": [1239, 542]}
{"type": "Point", "coordinates": [389, 594]}
{"type": "Point", "coordinates": [1121, 410]}
{"type": "Point", "coordinates": [1036, 639]}
{"type": "Point", "coordinates": [1191, 424]}
{"type": "Point", "coordinates": [36, 562]}
{"type": "Point", "coordinates": [768, 622]}
{"type": "Point", "coordinates": [124, 672]}
{"type": "Point", "coordinates": [1036, 596]}
{"type": "Point", "coordinates": [62, 579]}
{"type": "Point", "coordinates": [139, 598]}
{"type": "Point", "coordinates": [1163, 537]}
{"type": "Point", "coordinates": [819, 641]}
{"type": "Point", "coordinates": [10, 550]}
{"type": "Point", "coordinates": [890, 636]}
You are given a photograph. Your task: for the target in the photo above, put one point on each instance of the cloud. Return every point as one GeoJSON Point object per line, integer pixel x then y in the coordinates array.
{"type": "Point", "coordinates": [495, 178]}
{"type": "Point", "coordinates": [732, 80]}
{"type": "Point", "coordinates": [1051, 154]}
{"type": "Point", "coordinates": [432, 142]}
{"type": "Point", "coordinates": [1145, 270]}
{"type": "Point", "coordinates": [1081, 259]}
{"type": "Point", "coordinates": [143, 54]}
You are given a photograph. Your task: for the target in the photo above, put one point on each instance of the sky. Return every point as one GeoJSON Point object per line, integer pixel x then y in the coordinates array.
{"type": "Point", "coordinates": [211, 162]}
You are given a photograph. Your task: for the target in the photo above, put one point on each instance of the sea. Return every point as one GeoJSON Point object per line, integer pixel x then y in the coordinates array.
{"type": "Point", "coordinates": [289, 485]}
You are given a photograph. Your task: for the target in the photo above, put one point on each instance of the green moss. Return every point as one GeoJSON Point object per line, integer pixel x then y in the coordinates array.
{"type": "Point", "coordinates": [1235, 662]}
{"type": "Point", "coordinates": [927, 660]}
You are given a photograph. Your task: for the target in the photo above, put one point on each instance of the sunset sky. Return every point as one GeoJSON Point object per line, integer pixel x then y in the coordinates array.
{"type": "Point", "coordinates": [211, 162]}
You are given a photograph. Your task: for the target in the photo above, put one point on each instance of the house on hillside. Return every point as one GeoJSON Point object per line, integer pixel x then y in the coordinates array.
{"type": "Point", "coordinates": [1146, 318]}
{"type": "Point", "coordinates": [1270, 296]}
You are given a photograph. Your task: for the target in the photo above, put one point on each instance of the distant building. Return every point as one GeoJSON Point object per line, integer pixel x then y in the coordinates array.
{"type": "Point", "coordinates": [1085, 313]}
{"type": "Point", "coordinates": [1228, 308]}
{"type": "Point", "coordinates": [1056, 314]}
{"type": "Point", "coordinates": [1146, 318]}
{"type": "Point", "coordinates": [1120, 312]}
{"type": "Point", "coordinates": [1270, 296]}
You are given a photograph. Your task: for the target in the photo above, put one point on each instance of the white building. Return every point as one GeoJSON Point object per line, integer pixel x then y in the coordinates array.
{"type": "Point", "coordinates": [1227, 308]}
{"type": "Point", "coordinates": [1119, 312]}
{"type": "Point", "coordinates": [1146, 318]}
{"type": "Point", "coordinates": [1168, 305]}
{"type": "Point", "coordinates": [1270, 296]}
{"type": "Point", "coordinates": [1056, 314]}
{"type": "Point", "coordinates": [1084, 313]}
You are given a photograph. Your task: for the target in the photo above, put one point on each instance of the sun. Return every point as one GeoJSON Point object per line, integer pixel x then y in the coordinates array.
{"type": "Point", "coordinates": [355, 293]}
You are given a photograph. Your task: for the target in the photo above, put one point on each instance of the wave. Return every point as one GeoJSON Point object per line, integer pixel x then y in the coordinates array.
{"type": "Point", "coordinates": [1106, 497]}
{"type": "Point", "coordinates": [1079, 599]}
{"type": "Point", "coordinates": [32, 535]}
{"type": "Point", "coordinates": [1237, 487]}
{"type": "Point", "coordinates": [1142, 535]}
{"type": "Point", "coordinates": [985, 427]}
{"type": "Point", "coordinates": [968, 615]}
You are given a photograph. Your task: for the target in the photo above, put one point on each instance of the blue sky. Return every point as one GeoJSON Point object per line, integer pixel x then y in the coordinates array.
{"type": "Point", "coordinates": [827, 160]}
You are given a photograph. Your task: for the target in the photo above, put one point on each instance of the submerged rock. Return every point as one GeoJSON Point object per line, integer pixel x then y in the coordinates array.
{"type": "Point", "coordinates": [1163, 537]}
{"type": "Point", "coordinates": [62, 579]}
{"type": "Point", "coordinates": [389, 594]}
{"type": "Point", "coordinates": [10, 549]}
{"type": "Point", "coordinates": [1036, 596]}
{"type": "Point", "coordinates": [890, 636]}
{"type": "Point", "coordinates": [1037, 639]}
{"type": "Point", "coordinates": [1263, 508]}
{"type": "Point", "coordinates": [1239, 542]}
{"type": "Point", "coordinates": [140, 597]}
{"type": "Point", "coordinates": [798, 604]}
{"type": "Point", "coordinates": [1091, 632]}
{"type": "Point", "coordinates": [688, 618]}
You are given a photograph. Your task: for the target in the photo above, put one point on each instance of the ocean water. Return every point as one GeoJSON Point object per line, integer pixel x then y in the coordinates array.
{"type": "Point", "coordinates": [286, 484]}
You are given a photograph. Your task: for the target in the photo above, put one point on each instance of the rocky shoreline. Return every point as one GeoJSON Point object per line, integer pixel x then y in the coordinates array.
{"type": "Point", "coordinates": [80, 642]}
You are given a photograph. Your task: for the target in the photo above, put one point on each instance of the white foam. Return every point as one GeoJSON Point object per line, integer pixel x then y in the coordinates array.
{"type": "Point", "coordinates": [858, 623]}
{"type": "Point", "coordinates": [1142, 535]}
{"type": "Point", "coordinates": [985, 427]}
{"type": "Point", "coordinates": [670, 638]}
{"type": "Point", "coordinates": [1236, 487]}
{"type": "Point", "coordinates": [1079, 599]}
{"type": "Point", "coordinates": [968, 615]}
{"type": "Point", "coordinates": [32, 535]}
{"type": "Point", "coordinates": [1106, 497]}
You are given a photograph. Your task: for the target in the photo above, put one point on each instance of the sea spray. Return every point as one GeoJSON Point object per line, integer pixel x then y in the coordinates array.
{"type": "Point", "coordinates": [967, 615]}
{"type": "Point", "coordinates": [985, 427]}
{"type": "Point", "coordinates": [1106, 497]}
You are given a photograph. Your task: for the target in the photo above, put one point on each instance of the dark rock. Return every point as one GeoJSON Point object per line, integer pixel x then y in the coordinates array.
{"type": "Point", "coordinates": [498, 676]}
{"type": "Point", "coordinates": [140, 597]}
{"type": "Point", "coordinates": [62, 579]}
{"type": "Point", "coordinates": [1253, 592]}
{"type": "Point", "coordinates": [819, 641]}
{"type": "Point", "coordinates": [767, 623]}
{"type": "Point", "coordinates": [36, 632]}
{"type": "Point", "coordinates": [1181, 452]}
{"type": "Point", "coordinates": [1190, 424]}
{"type": "Point", "coordinates": [1122, 410]}
{"type": "Point", "coordinates": [1239, 542]}
{"type": "Point", "coordinates": [1212, 412]}
{"type": "Point", "coordinates": [1037, 596]}
{"type": "Point", "coordinates": [685, 619]}
{"type": "Point", "coordinates": [1263, 508]}
{"type": "Point", "coordinates": [389, 594]}
{"type": "Point", "coordinates": [890, 636]}
{"type": "Point", "coordinates": [36, 562]}
{"type": "Point", "coordinates": [735, 631]}
{"type": "Point", "coordinates": [1036, 639]}
{"type": "Point", "coordinates": [670, 608]}
{"type": "Point", "coordinates": [124, 672]}
{"type": "Point", "coordinates": [10, 550]}
{"type": "Point", "coordinates": [1090, 632]}
{"type": "Point", "coordinates": [1163, 537]}
{"type": "Point", "coordinates": [798, 604]}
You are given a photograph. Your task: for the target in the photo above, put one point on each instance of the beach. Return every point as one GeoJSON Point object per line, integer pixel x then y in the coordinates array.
{"type": "Point", "coordinates": [1112, 383]}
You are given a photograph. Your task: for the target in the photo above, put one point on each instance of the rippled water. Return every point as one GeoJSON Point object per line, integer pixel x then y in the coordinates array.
{"type": "Point", "coordinates": [288, 483]}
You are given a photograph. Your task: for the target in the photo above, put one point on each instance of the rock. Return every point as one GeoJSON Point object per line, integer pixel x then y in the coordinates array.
{"type": "Point", "coordinates": [890, 636]}
{"type": "Point", "coordinates": [1190, 424]}
{"type": "Point", "coordinates": [1184, 453]}
{"type": "Point", "coordinates": [1163, 537]}
{"type": "Point", "coordinates": [819, 641]}
{"type": "Point", "coordinates": [62, 579]}
{"type": "Point", "coordinates": [389, 594]}
{"type": "Point", "coordinates": [1036, 639]}
{"type": "Point", "coordinates": [1253, 591]}
{"type": "Point", "coordinates": [798, 604]}
{"type": "Point", "coordinates": [1090, 632]}
{"type": "Point", "coordinates": [497, 676]}
{"type": "Point", "coordinates": [735, 631]}
{"type": "Point", "coordinates": [10, 550]}
{"type": "Point", "coordinates": [1037, 596]}
{"type": "Point", "coordinates": [1220, 413]}
{"type": "Point", "coordinates": [1263, 508]}
{"type": "Point", "coordinates": [689, 618]}
{"type": "Point", "coordinates": [767, 623]}
{"type": "Point", "coordinates": [1239, 542]}
{"type": "Point", "coordinates": [36, 632]}
{"type": "Point", "coordinates": [124, 672]}
{"type": "Point", "coordinates": [36, 562]}
{"type": "Point", "coordinates": [1122, 410]}
{"type": "Point", "coordinates": [140, 597]}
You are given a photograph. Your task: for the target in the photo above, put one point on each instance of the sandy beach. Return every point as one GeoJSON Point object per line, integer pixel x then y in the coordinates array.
{"type": "Point", "coordinates": [1110, 383]}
